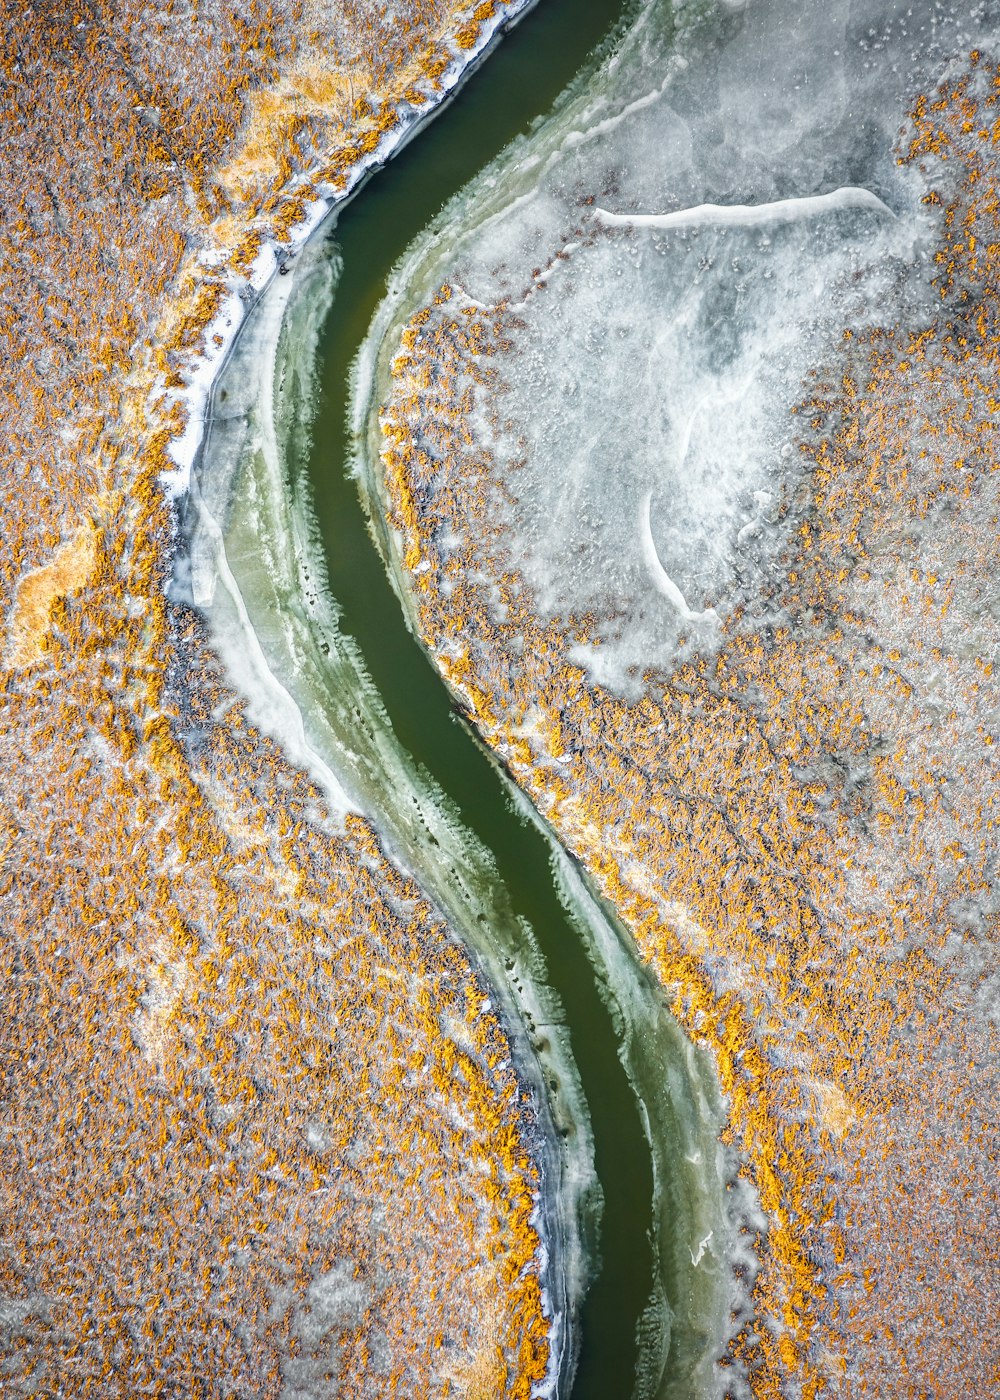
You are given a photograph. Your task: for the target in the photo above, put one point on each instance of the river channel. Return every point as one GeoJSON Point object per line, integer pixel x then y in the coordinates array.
{"type": "Point", "coordinates": [303, 612]}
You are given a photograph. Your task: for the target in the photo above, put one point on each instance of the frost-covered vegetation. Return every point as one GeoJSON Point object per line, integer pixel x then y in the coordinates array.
{"type": "Point", "coordinates": [261, 1130]}
{"type": "Point", "coordinates": [698, 508]}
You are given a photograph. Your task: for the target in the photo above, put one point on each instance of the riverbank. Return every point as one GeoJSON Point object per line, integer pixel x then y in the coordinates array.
{"type": "Point", "coordinates": [250, 561]}
{"type": "Point", "coordinates": [218, 994]}
{"type": "Point", "coordinates": [565, 1201]}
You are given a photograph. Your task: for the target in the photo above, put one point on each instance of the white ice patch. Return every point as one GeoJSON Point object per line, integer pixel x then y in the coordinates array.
{"type": "Point", "coordinates": [721, 215]}
{"type": "Point", "coordinates": [659, 575]}
{"type": "Point", "coordinates": [642, 439]}
{"type": "Point", "coordinates": [751, 215]}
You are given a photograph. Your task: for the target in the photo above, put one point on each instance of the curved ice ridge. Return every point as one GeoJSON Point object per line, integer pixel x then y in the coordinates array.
{"type": "Point", "coordinates": [288, 714]}
{"type": "Point", "coordinates": [751, 215]}
{"type": "Point", "coordinates": [658, 573]}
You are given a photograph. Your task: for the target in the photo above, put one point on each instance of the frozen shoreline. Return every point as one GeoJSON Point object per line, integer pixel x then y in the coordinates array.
{"type": "Point", "coordinates": [250, 323]}
{"type": "Point", "coordinates": [704, 1211]}
{"type": "Point", "coordinates": [203, 368]}
{"type": "Point", "coordinates": [702, 1204]}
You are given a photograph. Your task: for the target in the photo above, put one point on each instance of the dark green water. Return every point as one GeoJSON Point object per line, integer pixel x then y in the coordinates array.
{"type": "Point", "coordinates": [329, 667]}
{"type": "Point", "coordinates": [516, 84]}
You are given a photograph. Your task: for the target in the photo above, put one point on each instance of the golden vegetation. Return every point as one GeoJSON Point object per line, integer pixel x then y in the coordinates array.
{"type": "Point", "coordinates": [801, 831]}
{"type": "Point", "coordinates": [259, 1131]}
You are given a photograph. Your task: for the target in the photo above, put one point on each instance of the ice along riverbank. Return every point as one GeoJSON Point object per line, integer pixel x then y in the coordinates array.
{"type": "Point", "coordinates": [256, 564]}
{"type": "Point", "coordinates": [636, 432]}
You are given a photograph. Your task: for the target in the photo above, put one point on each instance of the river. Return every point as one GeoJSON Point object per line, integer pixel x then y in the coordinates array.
{"type": "Point", "coordinates": [304, 615]}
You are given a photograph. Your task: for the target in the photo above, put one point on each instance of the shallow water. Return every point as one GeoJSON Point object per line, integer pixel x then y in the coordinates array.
{"type": "Point", "coordinates": [306, 618]}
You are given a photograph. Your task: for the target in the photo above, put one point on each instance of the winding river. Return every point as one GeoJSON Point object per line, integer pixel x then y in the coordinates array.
{"type": "Point", "coordinates": [283, 563]}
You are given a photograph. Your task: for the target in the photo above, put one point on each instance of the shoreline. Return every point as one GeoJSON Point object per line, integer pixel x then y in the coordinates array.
{"type": "Point", "coordinates": [688, 1069]}
{"type": "Point", "coordinates": [563, 1287]}
{"type": "Point", "coordinates": [244, 291]}
{"type": "Point", "coordinates": [318, 662]}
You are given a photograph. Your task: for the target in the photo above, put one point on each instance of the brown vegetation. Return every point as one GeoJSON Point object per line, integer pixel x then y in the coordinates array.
{"type": "Point", "coordinates": [259, 1130]}
{"type": "Point", "coordinates": [69, 571]}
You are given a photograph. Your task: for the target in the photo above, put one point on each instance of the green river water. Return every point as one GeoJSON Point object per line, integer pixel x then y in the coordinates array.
{"type": "Point", "coordinates": [284, 538]}
{"type": "Point", "coordinates": [518, 82]}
